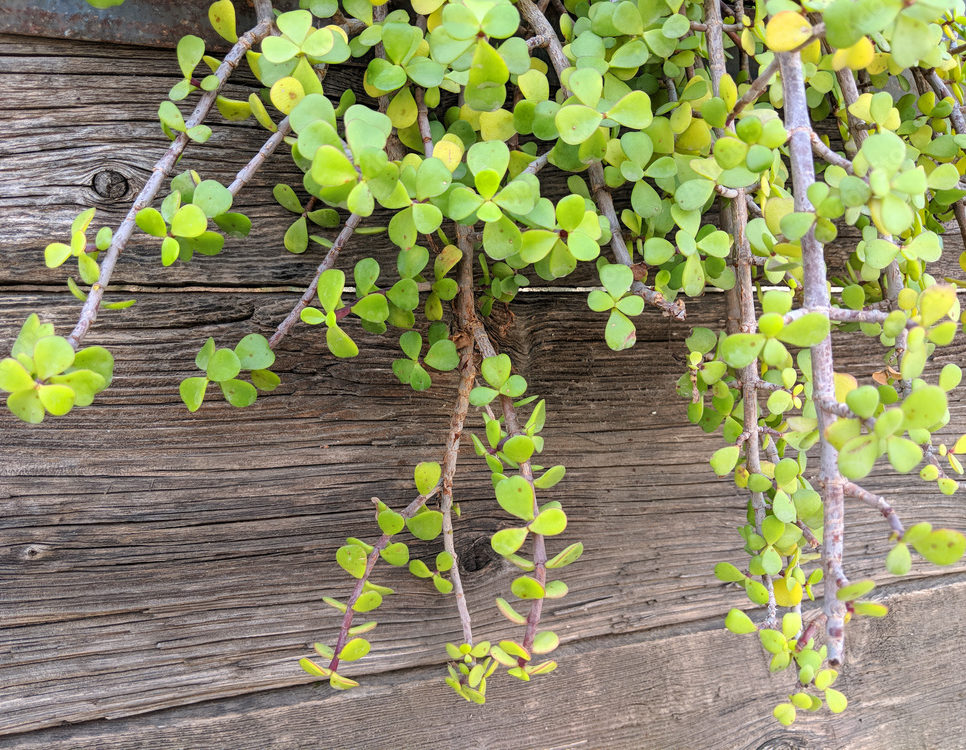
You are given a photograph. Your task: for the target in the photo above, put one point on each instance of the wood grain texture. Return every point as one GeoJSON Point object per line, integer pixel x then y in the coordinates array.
{"type": "Point", "coordinates": [151, 559]}
{"type": "Point", "coordinates": [670, 689]}
{"type": "Point", "coordinates": [173, 558]}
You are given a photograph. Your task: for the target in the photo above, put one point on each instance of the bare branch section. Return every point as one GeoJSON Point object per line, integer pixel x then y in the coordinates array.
{"type": "Point", "coordinates": [161, 170]}
{"type": "Point", "coordinates": [798, 124]}
{"type": "Point", "coordinates": [878, 502]}
{"type": "Point", "coordinates": [328, 262]}
{"type": "Point", "coordinates": [246, 173]}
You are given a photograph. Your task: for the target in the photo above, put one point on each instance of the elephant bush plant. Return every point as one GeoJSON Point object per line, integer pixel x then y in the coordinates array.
{"type": "Point", "coordinates": [709, 146]}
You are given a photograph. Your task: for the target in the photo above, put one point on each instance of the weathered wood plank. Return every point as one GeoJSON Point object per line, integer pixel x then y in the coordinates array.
{"type": "Point", "coordinates": [155, 558]}
{"type": "Point", "coordinates": [671, 689]}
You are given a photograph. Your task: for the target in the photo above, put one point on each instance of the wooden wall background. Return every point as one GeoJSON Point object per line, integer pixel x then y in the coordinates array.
{"type": "Point", "coordinates": [161, 573]}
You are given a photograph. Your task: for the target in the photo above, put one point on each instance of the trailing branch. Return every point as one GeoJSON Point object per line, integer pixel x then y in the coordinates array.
{"type": "Point", "coordinates": [161, 170]}
{"type": "Point", "coordinates": [486, 350]}
{"type": "Point", "coordinates": [467, 374]}
{"type": "Point", "coordinates": [797, 122]}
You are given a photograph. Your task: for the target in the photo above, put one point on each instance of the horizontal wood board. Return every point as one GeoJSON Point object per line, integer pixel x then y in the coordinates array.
{"type": "Point", "coordinates": [670, 689]}
{"type": "Point", "coordinates": [153, 559]}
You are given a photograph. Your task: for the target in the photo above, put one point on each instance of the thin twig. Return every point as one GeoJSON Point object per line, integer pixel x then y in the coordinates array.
{"type": "Point", "coordinates": [824, 152]}
{"type": "Point", "coordinates": [246, 173]}
{"type": "Point", "coordinates": [850, 94]}
{"type": "Point", "coordinates": [759, 85]}
{"type": "Point", "coordinates": [755, 90]}
{"type": "Point", "coordinates": [422, 119]}
{"type": "Point", "coordinates": [851, 489]}
{"type": "Point", "coordinates": [161, 170]}
{"type": "Point", "coordinates": [283, 328]}
{"type": "Point", "coordinates": [810, 630]}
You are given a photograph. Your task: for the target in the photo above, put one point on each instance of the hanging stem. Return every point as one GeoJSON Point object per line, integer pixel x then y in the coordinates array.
{"type": "Point", "coordinates": [797, 123]}
{"type": "Point", "coordinates": [486, 349]}
{"type": "Point", "coordinates": [371, 561]}
{"type": "Point", "coordinates": [741, 302]}
{"type": "Point", "coordinates": [467, 369]}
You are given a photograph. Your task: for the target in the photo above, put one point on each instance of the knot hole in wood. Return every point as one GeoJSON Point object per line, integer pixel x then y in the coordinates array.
{"type": "Point", "coordinates": [33, 552]}
{"type": "Point", "coordinates": [477, 555]}
{"type": "Point", "coordinates": [110, 184]}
